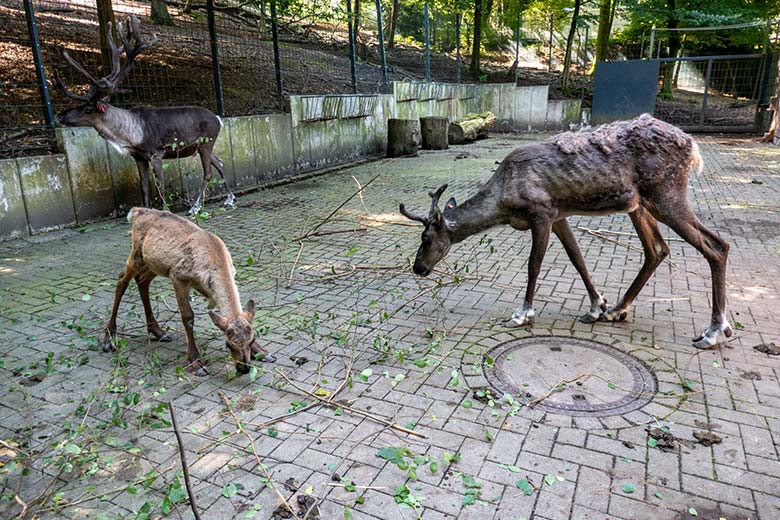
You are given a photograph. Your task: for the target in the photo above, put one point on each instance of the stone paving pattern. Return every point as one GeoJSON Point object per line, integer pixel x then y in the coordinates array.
{"type": "Point", "coordinates": [352, 295]}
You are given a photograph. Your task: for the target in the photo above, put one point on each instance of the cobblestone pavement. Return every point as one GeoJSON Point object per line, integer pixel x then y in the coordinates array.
{"type": "Point", "coordinates": [86, 434]}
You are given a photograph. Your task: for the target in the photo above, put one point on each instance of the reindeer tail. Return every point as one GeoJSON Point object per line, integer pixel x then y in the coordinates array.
{"type": "Point", "coordinates": [697, 164]}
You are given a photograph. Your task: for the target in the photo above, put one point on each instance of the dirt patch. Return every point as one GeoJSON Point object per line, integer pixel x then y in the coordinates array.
{"type": "Point", "coordinates": [707, 438]}
{"type": "Point", "coordinates": [768, 348]}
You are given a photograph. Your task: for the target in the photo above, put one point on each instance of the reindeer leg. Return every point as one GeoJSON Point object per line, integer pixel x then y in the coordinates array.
{"type": "Point", "coordinates": [205, 159]}
{"type": "Point", "coordinates": [124, 280]}
{"type": "Point", "coordinates": [143, 172]}
{"type": "Point", "coordinates": [540, 237]}
{"type": "Point", "coordinates": [655, 250]}
{"type": "Point", "coordinates": [230, 201]}
{"type": "Point", "coordinates": [158, 171]}
{"type": "Point", "coordinates": [597, 303]}
{"type": "Point", "coordinates": [143, 280]}
{"type": "Point", "coordinates": [716, 250]}
{"type": "Point", "coordinates": [182, 291]}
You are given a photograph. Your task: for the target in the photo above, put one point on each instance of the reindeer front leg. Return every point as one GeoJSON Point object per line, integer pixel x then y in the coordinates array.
{"type": "Point", "coordinates": [182, 290]}
{"type": "Point", "coordinates": [598, 304]}
{"type": "Point", "coordinates": [540, 237]}
{"type": "Point", "coordinates": [121, 286]}
{"type": "Point", "coordinates": [158, 171]}
{"type": "Point", "coordinates": [143, 280]}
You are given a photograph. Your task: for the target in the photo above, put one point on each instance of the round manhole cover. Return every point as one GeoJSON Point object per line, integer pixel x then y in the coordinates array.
{"type": "Point", "coordinates": [531, 367]}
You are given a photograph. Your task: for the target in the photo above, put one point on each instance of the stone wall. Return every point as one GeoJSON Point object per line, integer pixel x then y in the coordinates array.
{"type": "Point", "coordinates": [90, 181]}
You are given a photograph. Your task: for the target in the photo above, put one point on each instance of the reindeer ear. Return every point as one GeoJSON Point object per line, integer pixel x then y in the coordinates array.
{"type": "Point", "coordinates": [219, 321]}
{"type": "Point", "coordinates": [451, 204]}
{"type": "Point", "coordinates": [101, 107]}
{"type": "Point", "coordinates": [250, 309]}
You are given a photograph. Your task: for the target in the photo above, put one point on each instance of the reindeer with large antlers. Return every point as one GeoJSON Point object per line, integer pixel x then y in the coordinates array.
{"type": "Point", "coordinates": [148, 135]}
{"type": "Point", "coordinates": [639, 167]}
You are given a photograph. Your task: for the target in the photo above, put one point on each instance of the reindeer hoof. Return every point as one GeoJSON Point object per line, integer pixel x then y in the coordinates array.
{"type": "Point", "coordinates": [159, 335]}
{"type": "Point", "coordinates": [268, 358]}
{"type": "Point", "coordinates": [614, 314]}
{"type": "Point", "coordinates": [108, 346]}
{"type": "Point", "coordinates": [201, 371]}
{"type": "Point", "coordinates": [230, 201]}
{"type": "Point", "coordinates": [589, 318]}
{"type": "Point", "coordinates": [516, 323]}
{"type": "Point", "coordinates": [710, 337]}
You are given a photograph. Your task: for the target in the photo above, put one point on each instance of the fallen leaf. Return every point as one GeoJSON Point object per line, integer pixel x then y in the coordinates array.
{"type": "Point", "coordinates": [628, 488]}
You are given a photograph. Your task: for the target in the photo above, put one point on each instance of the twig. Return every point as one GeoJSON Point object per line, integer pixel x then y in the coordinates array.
{"type": "Point", "coordinates": [357, 411]}
{"type": "Point", "coordinates": [326, 219]}
{"type": "Point", "coordinates": [184, 465]}
{"type": "Point", "coordinates": [336, 484]}
{"type": "Point", "coordinates": [295, 263]}
{"type": "Point", "coordinates": [257, 457]}
{"type": "Point", "coordinates": [22, 504]}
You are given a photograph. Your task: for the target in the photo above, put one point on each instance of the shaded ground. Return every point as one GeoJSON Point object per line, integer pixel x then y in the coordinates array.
{"type": "Point", "coordinates": [92, 432]}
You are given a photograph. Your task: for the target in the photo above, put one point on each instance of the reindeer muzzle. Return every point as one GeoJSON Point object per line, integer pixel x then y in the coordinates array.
{"type": "Point", "coordinates": [420, 269]}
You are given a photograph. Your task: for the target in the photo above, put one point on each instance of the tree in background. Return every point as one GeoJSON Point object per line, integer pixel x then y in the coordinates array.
{"type": "Point", "coordinates": [160, 14]}
{"type": "Point", "coordinates": [105, 11]}
{"type": "Point", "coordinates": [393, 23]}
{"type": "Point", "coordinates": [569, 42]}
{"type": "Point", "coordinates": [605, 27]}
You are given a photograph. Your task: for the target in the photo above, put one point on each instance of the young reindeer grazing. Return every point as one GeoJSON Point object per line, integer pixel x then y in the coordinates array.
{"type": "Point", "coordinates": [639, 167]}
{"type": "Point", "coordinates": [148, 135]}
{"type": "Point", "coordinates": [164, 244]}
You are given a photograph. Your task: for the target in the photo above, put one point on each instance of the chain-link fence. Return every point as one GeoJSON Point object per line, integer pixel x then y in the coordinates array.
{"type": "Point", "coordinates": [238, 58]}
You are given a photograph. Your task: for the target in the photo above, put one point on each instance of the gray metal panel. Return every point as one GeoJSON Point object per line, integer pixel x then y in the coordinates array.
{"type": "Point", "coordinates": [624, 89]}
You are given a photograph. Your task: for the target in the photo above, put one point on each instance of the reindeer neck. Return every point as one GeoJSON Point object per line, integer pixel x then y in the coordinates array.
{"type": "Point", "coordinates": [121, 126]}
{"type": "Point", "coordinates": [477, 214]}
{"type": "Point", "coordinates": [225, 295]}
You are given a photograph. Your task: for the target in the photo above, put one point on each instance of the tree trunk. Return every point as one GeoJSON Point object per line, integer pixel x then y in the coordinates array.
{"type": "Point", "coordinates": [602, 37]}
{"type": "Point", "coordinates": [434, 133]}
{"type": "Point", "coordinates": [160, 14]}
{"type": "Point", "coordinates": [477, 40]}
{"type": "Point", "coordinates": [403, 137]}
{"type": "Point", "coordinates": [773, 135]}
{"type": "Point", "coordinates": [105, 14]}
{"type": "Point", "coordinates": [471, 128]}
{"type": "Point", "coordinates": [569, 43]}
{"type": "Point", "coordinates": [357, 18]}
{"type": "Point", "coordinates": [393, 24]}
{"type": "Point", "coordinates": [674, 46]}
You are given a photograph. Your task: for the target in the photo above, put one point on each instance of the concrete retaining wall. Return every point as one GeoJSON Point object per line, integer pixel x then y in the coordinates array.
{"type": "Point", "coordinates": [89, 180]}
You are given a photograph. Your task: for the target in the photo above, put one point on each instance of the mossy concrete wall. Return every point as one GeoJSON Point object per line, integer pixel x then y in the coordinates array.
{"type": "Point", "coordinates": [90, 180]}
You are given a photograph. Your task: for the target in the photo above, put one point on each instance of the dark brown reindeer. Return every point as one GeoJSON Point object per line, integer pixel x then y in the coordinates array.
{"type": "Point", "coordinates": [148, 135]}
{"type": "Point", "coordinates": [639, 167]}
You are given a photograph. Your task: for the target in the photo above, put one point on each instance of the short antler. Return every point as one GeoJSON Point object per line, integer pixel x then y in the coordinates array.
{"type": "Point", "coordinates": [132, 45]}
{"type": "Point", "coordinates": [435, 196]}
{"type": "Point", "coordinates": [412, 216]}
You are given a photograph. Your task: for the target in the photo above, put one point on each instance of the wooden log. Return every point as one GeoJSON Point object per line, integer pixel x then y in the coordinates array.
{"type": "Point", "coordinates": [434, 133]}
{"type": "Point", "coordinates": [471, 128]}
{"type": "Point", "coordinates": [403, 137]}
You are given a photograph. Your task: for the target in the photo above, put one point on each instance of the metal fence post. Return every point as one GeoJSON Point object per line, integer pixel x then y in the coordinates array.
{"type": "Point", "coordinates": [277, 57]}
{"type": "Point", "coordinates": [215, 58]}
{"type": "Point", "coordinates": [457, 47]}
{"type": "Point", "coordinates": [381, 35]}
{"type": "Point", "coordinates": [706, 91]}
{"type": "Point", "coordinates": [351, 31]}
{"type": "Point", "coordinates": [35, 44]}
{"type": "Point", "coordinates": [549, 55]}
{"type": "Point", "coordinates": [426, 24]}
{"type": "Point", "coordinates": [517, 49]}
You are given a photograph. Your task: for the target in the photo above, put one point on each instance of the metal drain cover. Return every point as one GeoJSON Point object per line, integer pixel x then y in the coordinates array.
{"type": "Point", "coordinates": [531, 367]}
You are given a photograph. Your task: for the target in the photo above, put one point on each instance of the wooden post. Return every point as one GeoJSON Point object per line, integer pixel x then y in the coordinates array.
{"type": "Point", "coordinates": [433, 131]}
{"type": "Point", "coordinates": [403, 137]}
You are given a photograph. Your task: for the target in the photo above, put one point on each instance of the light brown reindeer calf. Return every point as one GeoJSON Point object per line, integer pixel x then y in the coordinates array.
{"type": "Point", "coordinates": [164, 244]}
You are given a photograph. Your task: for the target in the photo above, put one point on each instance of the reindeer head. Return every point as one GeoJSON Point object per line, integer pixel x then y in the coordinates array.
{"type": "Point", "coordinates": [436, 237]}
{"type": "Point", "coordinates": [239, 337]}
{"type": "Point", "coordinates": [95, 102]}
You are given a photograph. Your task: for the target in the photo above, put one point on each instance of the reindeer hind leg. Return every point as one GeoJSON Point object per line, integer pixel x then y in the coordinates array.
{"type": "Point", "coordinates": [655, 250]}
{"type": "Point", "coordinates": [230, 201]}
{"type": "Point", "coordinates": [715, 250]}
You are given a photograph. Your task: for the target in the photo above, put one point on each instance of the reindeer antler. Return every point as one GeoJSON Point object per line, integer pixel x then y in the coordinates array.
{"type": "Point", "coordinates": [132, 45]}
{"type": "Point", "coordinates": [412, 216]}
{"type": "Point", "coordinates": [435, 196]}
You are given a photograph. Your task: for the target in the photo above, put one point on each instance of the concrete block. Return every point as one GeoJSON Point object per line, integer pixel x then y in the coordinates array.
{"type": "Point", "coordinates": [47, 192]}
{"type": "Point", "coordinates": [90, 178]}
{"type": "Point", "coordinates": [274, 155]}
{"type": "Point", "coordinates": [224, 150]}
{"type": "Point", "coordinates": [242, 142]}
{"type": "Point", "coordinates": [562, 112]}
{"type": "Point", "coordinates": [538, 107]}
{"type": "Point", "coordinates": [13, 217]}
{"type": "Point", "coordinates": [125, 180]}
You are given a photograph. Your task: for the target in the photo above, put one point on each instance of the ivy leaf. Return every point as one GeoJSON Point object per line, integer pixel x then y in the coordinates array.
{"type": "Point", "coordinates": [365, 374]}
{"type": "Point", "coordinates": [628, 488]}
{"type": "Point", "coordinates": [513, 469]}
{"type": "Point", "coordinates": [525, 486]}
{"type": "Point", "coordinates": [550, 479]}
{"type": "Point", "coordinates": [229, 491]}
{"type": "Point", "coordinates": [652, 442]}
{"type": "Point", "coordinates": [693, 511]}
{"type": "Point", "coordinates": [72, 449]}
{"type": "Point", "coordinates": [467, 403]}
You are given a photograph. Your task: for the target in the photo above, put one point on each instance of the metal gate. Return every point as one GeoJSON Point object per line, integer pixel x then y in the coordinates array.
{"type": "Point", "coordinates": [698, 94]}
{"type": "Point", "coordinates": [714, 93]}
